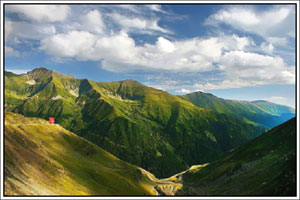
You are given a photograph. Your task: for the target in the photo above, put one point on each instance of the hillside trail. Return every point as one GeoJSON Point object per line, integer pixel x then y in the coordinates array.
{"type": "Point", "coordinates": [169, 186]}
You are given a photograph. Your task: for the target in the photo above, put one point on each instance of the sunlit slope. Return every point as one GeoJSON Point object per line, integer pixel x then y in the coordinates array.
{"type": "Point", "coordinates": [44, 159]}
{"type": "Point", "coordinates": [142, 125]}
{"type": "Point", "coordinates": [264, 166]}
{"type": "Point", "coordinates": [262, 113]}
{"type": "Point", "coordinates": [165, 132]}
{"type": "Point", "coordinates": [43, 93]}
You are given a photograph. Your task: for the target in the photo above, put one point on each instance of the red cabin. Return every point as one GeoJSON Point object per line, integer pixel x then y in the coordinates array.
{"type": "Point", "coordinates": [51, 120]}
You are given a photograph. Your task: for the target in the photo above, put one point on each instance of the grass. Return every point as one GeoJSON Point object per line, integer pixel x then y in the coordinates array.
{"type": "Point", "coordinates": [264, 166]}
{"type": "Point", "coordinates": [133, 121]}
{"type": "Point", "coordinates": [58, 161]}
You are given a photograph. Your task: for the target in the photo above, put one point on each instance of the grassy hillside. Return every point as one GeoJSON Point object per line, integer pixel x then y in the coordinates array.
{"type": "Point", "coordinates": [260, 112]}
{"type": "Point", "coordinates": [148, 127]}
{"type": "Point", "coordinates": [43, 159]}
{"type": "Point", "coordinates": [264, 166]}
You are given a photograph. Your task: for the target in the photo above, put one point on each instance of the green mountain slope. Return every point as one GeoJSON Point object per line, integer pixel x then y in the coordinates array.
{"type": "Point", "coordinates": [44, 159]}
{"type": "Point", "coordinates": [144, 126]}
{"type": "Point", "coordinates": [264, 166]}
{"type": "Point", "coordinates": [260, 112]}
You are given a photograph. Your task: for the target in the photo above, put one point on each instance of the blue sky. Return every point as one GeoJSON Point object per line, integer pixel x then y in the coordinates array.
{"type": "Point", "coordinates": [243, 52]}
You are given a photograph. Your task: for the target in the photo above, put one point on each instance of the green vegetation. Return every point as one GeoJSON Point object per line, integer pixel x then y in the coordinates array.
{"type": "Point", "coordinates": [44, 159]}
{"type": "Point", "coordinates": [147, 127]}
{"type": "Point", "coordinates": [150, 128]}
{"type": "Point", "coordinates": [257, 113]}
{"type": "Point", "coordinates": [264, 166]}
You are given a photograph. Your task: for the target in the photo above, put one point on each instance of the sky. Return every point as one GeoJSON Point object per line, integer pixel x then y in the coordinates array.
{"type": "Point", "coordinates": [241, 52]}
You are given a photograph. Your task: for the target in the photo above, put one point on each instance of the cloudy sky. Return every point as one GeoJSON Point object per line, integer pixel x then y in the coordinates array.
{"type": "Point", "coordinates": [243, 52]}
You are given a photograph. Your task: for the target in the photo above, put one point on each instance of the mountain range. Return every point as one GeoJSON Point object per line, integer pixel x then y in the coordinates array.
{"type": "Point", "coordinates": [150, 128]}
{"type": "Point", "coordinates": [259, 112]}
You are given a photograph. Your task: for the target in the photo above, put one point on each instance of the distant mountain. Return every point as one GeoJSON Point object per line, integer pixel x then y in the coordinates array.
{"type": "Point", "coordinates": [260, 112]}
{"type": "Point", "coordinates": [44, 159]}
{"type": "Point", "coordinates": [265, 166]}
{"type": "Point", "coordinates": [148, 127]}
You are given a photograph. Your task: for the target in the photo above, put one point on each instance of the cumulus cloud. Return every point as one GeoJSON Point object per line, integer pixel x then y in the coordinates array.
{"type": "Point", "coordinates": [268, 48]}
{"type": "Point", "coordinates": [276, 22]}
{"type": "Point", "coordinates": [106, 37]}
{"type": "Point", "coordinates": [183, 91]}
{"type": "Point", "coordinates": [26, 30]}
{"type": "Point", "coordinates": [165, 45]}
{"type": "Point", "coordinates": [83, 45]}
{"type": "Point", "coordinates": [119, 52]}
{"type": "Point", "coordinates": [9, 51]}
{"type": "Point", "coordinates": [130, 23]}
{"type": "Point", "coordinates": [256, 67]}
{"type": "Point", "coordinates": [92, 21]}
{"type": "Point", "coordinates": [41, 13]}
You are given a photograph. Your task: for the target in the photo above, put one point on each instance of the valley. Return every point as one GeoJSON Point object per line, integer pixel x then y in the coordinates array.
{"type": "Point", "coordinates": [38, 153]}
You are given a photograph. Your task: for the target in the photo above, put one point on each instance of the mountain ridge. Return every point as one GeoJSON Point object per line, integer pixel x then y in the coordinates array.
{"type": "Point", "coordinates": [139, 124]}
{"type": "Point", "coordinates": [261, 112]}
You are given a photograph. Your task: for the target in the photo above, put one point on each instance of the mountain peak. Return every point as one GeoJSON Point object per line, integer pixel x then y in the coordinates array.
{"type": "Point", "coordinates": [131, 81]}
{"type": "Point", "coordinates": [40, 70]}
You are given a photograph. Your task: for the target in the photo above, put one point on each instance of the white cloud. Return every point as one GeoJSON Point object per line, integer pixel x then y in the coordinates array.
{"type": "Point", "coordinates": [268, 48]}
{"type": "Point", "coordinates": [75, 43]}
{"type": "Point", "coordinates": [281, 41]}
{"type": "Point", "coordinates": [225, 84]}
{"type": "Point", "coordinates": [183, 91]}
{"type": "Point", "coordinates": [15, 30]}
{"type": "Point", "coordinates": [9, 51]}
{"type": "Point", "coordinates": [241, 42]}
{"type": "Point", "coordinates": [103, 35]}
{"type": "Point", "coordinates": [182, 86]}
{"type": "Point", "coordinates": [41, 13]}
{"type": "Point", "coordinates": [130, 23]}
{"type": "Point", "coordinates": [119, 52]}
{"type": "Point", "coordinates": [92, 21]}
{"type": "Point", "coordinates": [156, 8]}
{"type": "Point", "coordinates": [277, 22]}
{"type": "Point", "coordinates": [132, 8]}
{"type": "Point", "coordinates": [256, 67]}
{"type": "Point", "coordinates": [83, 45]}
{"type": "Point", "coordinates": [165, 45]}
{"type": "Point", "coordinates": [272, 98]}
